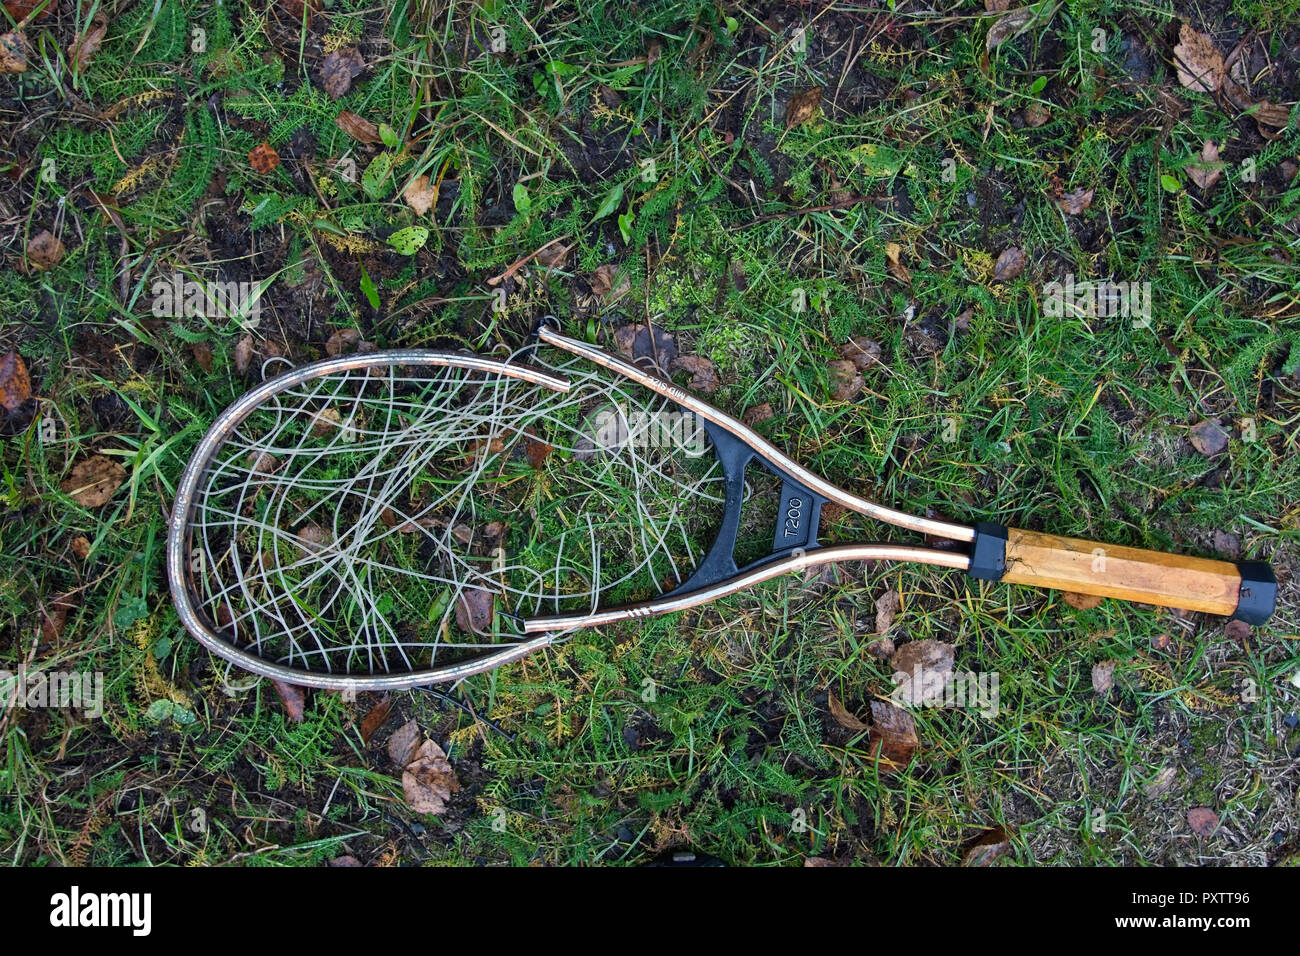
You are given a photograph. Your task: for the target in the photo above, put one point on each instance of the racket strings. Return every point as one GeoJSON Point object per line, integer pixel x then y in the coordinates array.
{"type": "Point", "coordinates": [371, 521]}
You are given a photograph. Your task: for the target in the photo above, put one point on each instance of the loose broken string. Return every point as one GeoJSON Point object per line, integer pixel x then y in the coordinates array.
{"type": "Point", "coordinates": [373, 521]}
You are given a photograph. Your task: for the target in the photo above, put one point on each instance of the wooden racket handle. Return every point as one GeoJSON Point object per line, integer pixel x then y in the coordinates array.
{"type": "Point", "coordinates": [1132, 574]}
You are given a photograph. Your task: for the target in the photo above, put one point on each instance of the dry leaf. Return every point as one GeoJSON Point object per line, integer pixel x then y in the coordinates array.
{"type": "Point", "coordinates": [474, 610]}
{"type": "Point", "coordinates": [54, 616]}
{"type": "Point", "coordinates": [375, 719]}
{"type": "Point", "coordinates": [1161, 641]}
{"type": "Point", "coordinates": [553, 255]}
{"type": "Point", "coordinates": [1083, 602]}
{"type": "Point", "coordinates": [15, 383]}
{"type": "Point", "coordinates": [802, 106]}
{"type": "Point", "coordinates": [419, 195]}
{"type": "Point", "coordinates": [13, 52]}
{"type": "Point", "coordinates": [608, 283]}
{"type": "Point", "coordinates": [359, 128]}
{"type": "Point", "coordinates": [758, 413]}
{"type": "Point", "coordinates": [404, 743]}
{"type": "Point", "coordinates": [1237, 631]}
{"type": "Point", "coordinates": [646, 345]}
{"type": "Point", "coordinates": [263, 158]}
{"type": "Point", "coordinates": [338, 69]}
{"type": "Point", "coordinates": [1271, 114]}
{"type": "Point", "coordinates": [1199, 64]}
{"type": "Point", "coordinates": [1076, 202]}
{"type": "Point", "coordinates": [993, 844]}
{"type": "Point", "coordinates": [81, 547]}
{"type": "Point", "coordinates": [703, 377]}
{"type": "Point", "coordinates": [887, 606]}
{"type": "Point", "coordinates": [1208, 438]}
{"type": "Point", "coordinates": [899, 271]}
{"type": "Point", "coordinates": [202, 356]}
{"type": "Point", "coordinates": [1007, 26]}
{"type": "Point", "coordinates": [326, 422]}
{"type": "Point", "coordinates": [861, 351]}
{"type": "Point", "coordinates": [847, 382]}
{"type": "Point", "coordinates": [1010, 264]}
{"type": "Point", "coordinates": [842, 716]}
{"type": "Point", "coordinates": [1160, 783]}
{"type": "Point", "coordinates": [93, 481]}
{"type": "Point", "coordinates": [893, 734]}
{"type": "Point", "coordinates": [997, 6]}
{"type": "Point", "coordinates": [536, 449]}
{"type": "Point", "coordinates": [345, 860]}
{"type": "Point", "coordinates": [1207, 172]}
{"type": "Point", "coordinates": [1103, 677]}
{"type": "Point", "coordinates": [291, 695]}
{"type": "Point", "coordinates": [243, 354]}
{"type": "Point", "coordinates": [1036, 114]}
{"type": "Point", "coordinates": [1225, 542]}
{"type": "Point", "coordinates": [922, 670]}
{"type": "Point", "coordinates": [86, 45]}
{"type": "Point", "coordinates": [428, 781]}
{"type": "Point", "coordinates": [1203, 821]}
{"type": "Point", "coordinates": [44, 251]}
{"type": "Point", "coordinates": [342, 342]}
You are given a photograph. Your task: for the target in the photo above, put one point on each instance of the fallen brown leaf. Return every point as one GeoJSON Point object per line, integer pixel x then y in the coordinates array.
{"type": "Point", "coordinates": [54, 615]}
{"type": "Point", "coordinates": [93, 481]}
{"type": "Point", "coordinates": [243, 354]}
{"type": "Point", "coordinates": [291, 695]}
{"type": "Point", "coordinates": [1236, 631]}
{"type": "Point", "coordinates": [989, 847]}
{"type": "Point", "coordinates": [1208, 438]}
{"type": "Point", "coordinates": [536, 448]}
{"type": "Point", "coordinates": [893, 735]}
{"type": "Point", "coordinates": [342, 341]}
{"type": "Point", "coordinates": [13, 53]}
{"type": "Point", "coordinates": [404, 743]}
{"type": "Point", "coordinates": [1198, 63]}
{"type": "Point", "coordinates": [15, 383]}
{"type": "Point", "coordinates": [1036, 114]}
{"type": "Point", "coordinates": [419, 195]}
{"type": "Point", "coordinates": [1007, 26]}
{"type": "Point", "coordinates": [847, 382]}
{"type": "Point", "coordinates": [887, 606]}
{"type": "Point", "coordinates": [81, 547]}
{"type": "Point", "coordinates": [428, 781]}
{"type": "Point", "coordinates": [44, 251]}
{"type": "Point", "coordinates": [1206, 172]}
{"type": "Point", "coordinates": [1225, 542]}
{"type": "Point", "coordinates": [861, 351]}
{"type": "Point", "coordinates": [359, 128]}
{"type": "Point", "coordinates": [1159, 784]}
{"type": "Point", "coordinates": [338, 69]}
{"type": "Point", "coordinates": [1072, 204]}
{"type": "Point", "coordinates": [802, 106]}
{"type": "Point", "coordinates": [646, 345]}
{"type": "Point", "coordinates": [345, 860]}
{"type": "Point", "coordinates": [1271, 114]}
{"type": "Point", "coordinates": [474, 610]}
{"type": "Point", "coordinates": [922, 670]}
{"type": "Point", "coordinates": [1083, 602]}
{"type": "Point", "coordinates": [608, 283]}
{"type": "Point", "coordinates": [1203, 821]}
{"type": "Point", "coordinates": [1010, 264]}
{"type": "Point", "coordinates": [202, 356]}
{"type": "Point", "coordinates": [86, 45]}
{"type": "Point", "coordinates": [1161, 641]}
{"type": "Point", "coordinates": [1103, 677]}
{"type": "Point", "coordinates": [896, 268]}
{"type": "Point", "coordinates": [758, 413]}
{"type": "Point", "coordinates": [703, 376]}
{"type": "Point", "coordinates": [842, 716]}
{"type": "Point", "coordinates": [263, 158]}
{"type": "Point", "coordinates": [375, 718]}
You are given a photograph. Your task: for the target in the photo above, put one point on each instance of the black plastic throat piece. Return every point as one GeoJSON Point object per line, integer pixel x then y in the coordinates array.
{"type": "Point", "coordinates": [1258, 595]}
{"type": "Point", "coordinates": [988, 552]}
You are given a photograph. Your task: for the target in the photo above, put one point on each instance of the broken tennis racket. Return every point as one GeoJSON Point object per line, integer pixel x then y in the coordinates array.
{"type": "Point", "coordinates": [403, 518]}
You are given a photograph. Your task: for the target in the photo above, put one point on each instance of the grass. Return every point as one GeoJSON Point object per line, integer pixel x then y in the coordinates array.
{"type": "Point", "coordinates": [655, 141]}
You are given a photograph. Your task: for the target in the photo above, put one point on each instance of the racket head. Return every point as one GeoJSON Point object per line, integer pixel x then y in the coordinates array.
{"type": "Point", "coordinates": [255, 587]}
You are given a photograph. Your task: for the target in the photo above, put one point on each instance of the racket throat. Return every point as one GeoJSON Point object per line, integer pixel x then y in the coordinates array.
{"type": "Point", "coordinates": [796, 521]}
